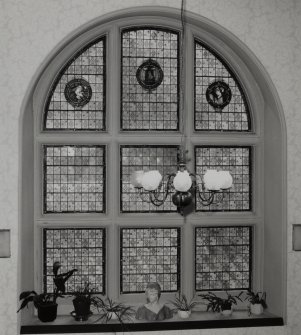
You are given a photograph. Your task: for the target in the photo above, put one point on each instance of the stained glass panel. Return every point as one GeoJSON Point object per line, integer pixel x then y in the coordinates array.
{"type": "Point", "coordinates": [81, 249]}
{"type": "Point", "coordinates": [147, 157]}
{"type": "Point", "coordinates": [74, 179]}
{"type": "Point", "coordinates": [149, 79]}
{"type": "Point", "coordinates": [77, 99]}
{"type": "Point", "coordinates": [220, 104]}
{"type": "Point", "coordinates": [150, 255]}
{"type": "Point", "coordinates": [237, 160]}
{"type": "Point", "coordinates": [223, 258]}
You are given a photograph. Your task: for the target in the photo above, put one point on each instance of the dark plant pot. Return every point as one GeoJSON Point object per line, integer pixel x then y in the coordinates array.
{"type": "Point", "coordinates": [47, 312]}
{"type": "Point", "coordinates": [81, 309]}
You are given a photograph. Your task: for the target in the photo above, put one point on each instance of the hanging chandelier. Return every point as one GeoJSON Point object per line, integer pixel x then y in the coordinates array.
{"type": "Point", "coordinates": [183, 185]}
{"type": "Point", "coordinates": [210, 188]}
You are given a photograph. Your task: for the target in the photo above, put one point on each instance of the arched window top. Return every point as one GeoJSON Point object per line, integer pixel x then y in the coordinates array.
{"type": "Point", "coordinates": [220, 103]}
{"type": "Point", "coordinates": [77, 98]}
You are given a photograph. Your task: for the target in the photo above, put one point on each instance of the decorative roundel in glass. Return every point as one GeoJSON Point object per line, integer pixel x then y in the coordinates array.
{"type": "Point", "coordinates": [78, 92]}
{"type": "Point", "coordinates": [149, 74]}
{"type": "Point", "coordinates": [218, 94]}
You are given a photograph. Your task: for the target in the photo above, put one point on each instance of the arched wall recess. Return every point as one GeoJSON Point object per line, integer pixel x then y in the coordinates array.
{"type": "Point", "coordinates": [268, 135]}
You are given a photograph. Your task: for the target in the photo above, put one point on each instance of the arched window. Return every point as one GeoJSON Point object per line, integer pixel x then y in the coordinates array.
{"type": "Point", "coordinates": [115, 99]}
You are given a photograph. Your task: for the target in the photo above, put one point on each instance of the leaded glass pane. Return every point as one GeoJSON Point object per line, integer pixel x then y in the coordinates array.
{"type": "Point", "coordinates": [220, 104]}
{"type": "Point", "coordinates": [81, 249]}
{"type": "Point", "coordinates": [74, 179]}
{"type": "Point", "coordinates": [150, 74]}
{"type": "Point", "coordinates": [77, 99]}
{"type": "Point", "coordinates": [146, 158]}
{"type": "Point", "coordinates": [237, 160]}
{"type": "Point", "coordinates": [150, 255]}
{"type": "Point", "coordinates": [223, 258]}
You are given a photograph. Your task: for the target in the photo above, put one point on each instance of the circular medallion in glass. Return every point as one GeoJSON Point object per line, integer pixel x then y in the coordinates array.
{"type": "Point", "coordinates": [149, 74]}
{"type": "Point", "coordinates": [78, 92]}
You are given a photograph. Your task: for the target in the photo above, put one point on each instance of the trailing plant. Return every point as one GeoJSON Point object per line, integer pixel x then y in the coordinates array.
{"type": "Point", "coordinates": [217, 304]}
{"type": "Point", "coordinates": [257, 298]}
{"type": "Point", "coordinates": [182, 304]}
{"type": "Point", "coordinates": [47, 298]}
{"type": "Point", "coordinates": [109, 308]}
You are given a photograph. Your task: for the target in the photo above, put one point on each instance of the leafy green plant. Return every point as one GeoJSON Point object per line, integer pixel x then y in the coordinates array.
{"type": "Point", "coordinates": [110, 309]}
{"type": "Point", "coordinates": [182, 304]}
{"type": "Point", "coordinates": [257, 298]}
{"type": "Point", "coordinates": [86, 294]}
{"type": "Point", "coordinates": [47, 298]}
{"type": "Point", "coordinates": [217, 304]}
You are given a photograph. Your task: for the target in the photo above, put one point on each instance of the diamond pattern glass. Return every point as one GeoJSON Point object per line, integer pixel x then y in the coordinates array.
{"type": "Point", "coordinates": [145, 157]}
{"type": "Point", "coordinates": [150, 255]}
{"type": "Point", "coordinates": [77, 99]}
{"type": "Point", "coordinates": [237, 160]}
{"type": "Point", "coordinates": [223, 258]}
{"type": "Point", "coordinates": [81, 249]}
{"type": "Point", "coordinates": [234, 116]}
{"type": "Point", "coordinates": [74, 179]}
{"type": "Point", "coordinates": [150, 109]}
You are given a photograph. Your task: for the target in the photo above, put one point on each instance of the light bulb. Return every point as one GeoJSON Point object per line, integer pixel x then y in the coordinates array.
{"type": "Point", "coordinates": [182, 181]}
{"type": "Point", "coordinates": [151, 180]}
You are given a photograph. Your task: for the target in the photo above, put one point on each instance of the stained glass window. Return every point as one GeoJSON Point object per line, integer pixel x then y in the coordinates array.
{"type": "Point", "coordinates": [223, 258]}
{"type": "Point", "coordinates": [81, 249]}
{"type": "Point", "coordinates": [74, 179]}
{"type": "Point", "coordinates": [77, 99]}
{"type": "Point", "coordinates": [237, 160]}
{"type": "Point", "coordinates": [149, 79]}
{"type": "Point", "coordinates": [220, 103]}
{"type": "Point", "coordinates": [150, 255]}
{"type": "Point", "coordinates": [145, 157]}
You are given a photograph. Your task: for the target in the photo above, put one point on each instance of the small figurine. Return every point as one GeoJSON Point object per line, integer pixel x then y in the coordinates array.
{"type": "Point", "coordinates": [153, 310]}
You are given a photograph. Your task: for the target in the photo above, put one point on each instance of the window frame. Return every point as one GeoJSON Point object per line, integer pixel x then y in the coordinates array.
{"type": "Point", "coordinates": [255, 139]}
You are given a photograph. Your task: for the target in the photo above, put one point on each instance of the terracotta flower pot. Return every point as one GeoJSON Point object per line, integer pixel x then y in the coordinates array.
{"type": "Point", "coordinates": [47, 312]}
{"type": "Point", "coordinates": [184, 314]}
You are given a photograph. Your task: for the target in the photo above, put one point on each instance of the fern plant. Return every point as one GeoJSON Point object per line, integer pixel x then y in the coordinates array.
{"type": "Point", "coordinates": [182, 304]}
{"type": "Point", "coordinates": [218, 304]}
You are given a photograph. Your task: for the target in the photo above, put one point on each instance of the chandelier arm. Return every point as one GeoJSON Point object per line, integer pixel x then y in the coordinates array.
{"type": "Point", "coordinates": [154, 196]}
{"type": "Point", "coordinates": [144, 195]}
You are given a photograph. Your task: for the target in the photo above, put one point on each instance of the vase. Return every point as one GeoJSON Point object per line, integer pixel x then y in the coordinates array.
{"type": "Point", "coordinates": [112, 316]}
{"type": "Point", "coordinates": [47, 312]}
{"type": "Point", "coordinates": [226, 312]}
{"type": "Point", "coordinates": [256, 309]}
{"type": "Point", "coordinates": [184, 314]}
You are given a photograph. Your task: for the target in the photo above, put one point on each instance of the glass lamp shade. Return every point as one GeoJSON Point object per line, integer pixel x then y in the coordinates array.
{"type": "Point", "coordinates": [182, 181]}
{"type": "Point", "coordinates": [211, 180]}
{"type": "Point", "coordinates": [151, 180]}
{"type": "Point", "coordinates": [136, 178]}
{"type": "Point", "coordinates": [216, 180]}
{"type": "Point", "coordinates": [226, 179]}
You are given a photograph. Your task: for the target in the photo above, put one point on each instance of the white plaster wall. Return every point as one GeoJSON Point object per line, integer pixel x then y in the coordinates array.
{"type": "Point", "coordinates": [30, 29]}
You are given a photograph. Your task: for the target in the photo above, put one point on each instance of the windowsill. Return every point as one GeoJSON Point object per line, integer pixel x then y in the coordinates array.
{"type": "Point", "coordinates": [197, 320]}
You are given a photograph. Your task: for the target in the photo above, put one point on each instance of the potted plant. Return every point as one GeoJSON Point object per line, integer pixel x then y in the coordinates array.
{"type": "Point", "coordinates": [257, 302]}
{"type": "Point", "coordinates": [182, 306]}
{"type": "Point", "coordinates": [46, 303]}
{"type": "Point", "coordinates": [82, 303]}
{"type": "Point", "coordinates": [111, 310]}
{"type": "Point", "coordinates": [222, 305]}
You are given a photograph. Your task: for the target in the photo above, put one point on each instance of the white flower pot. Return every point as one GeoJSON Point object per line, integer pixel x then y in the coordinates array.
{"type": "Point", "coordinates": [184, 314]}
{"type": "Point", "coordinates": [256, 309]}
{"type": "Point", "coordinates": [226, 312]}
{"type": "Point", "coordinates": [112, 316]}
